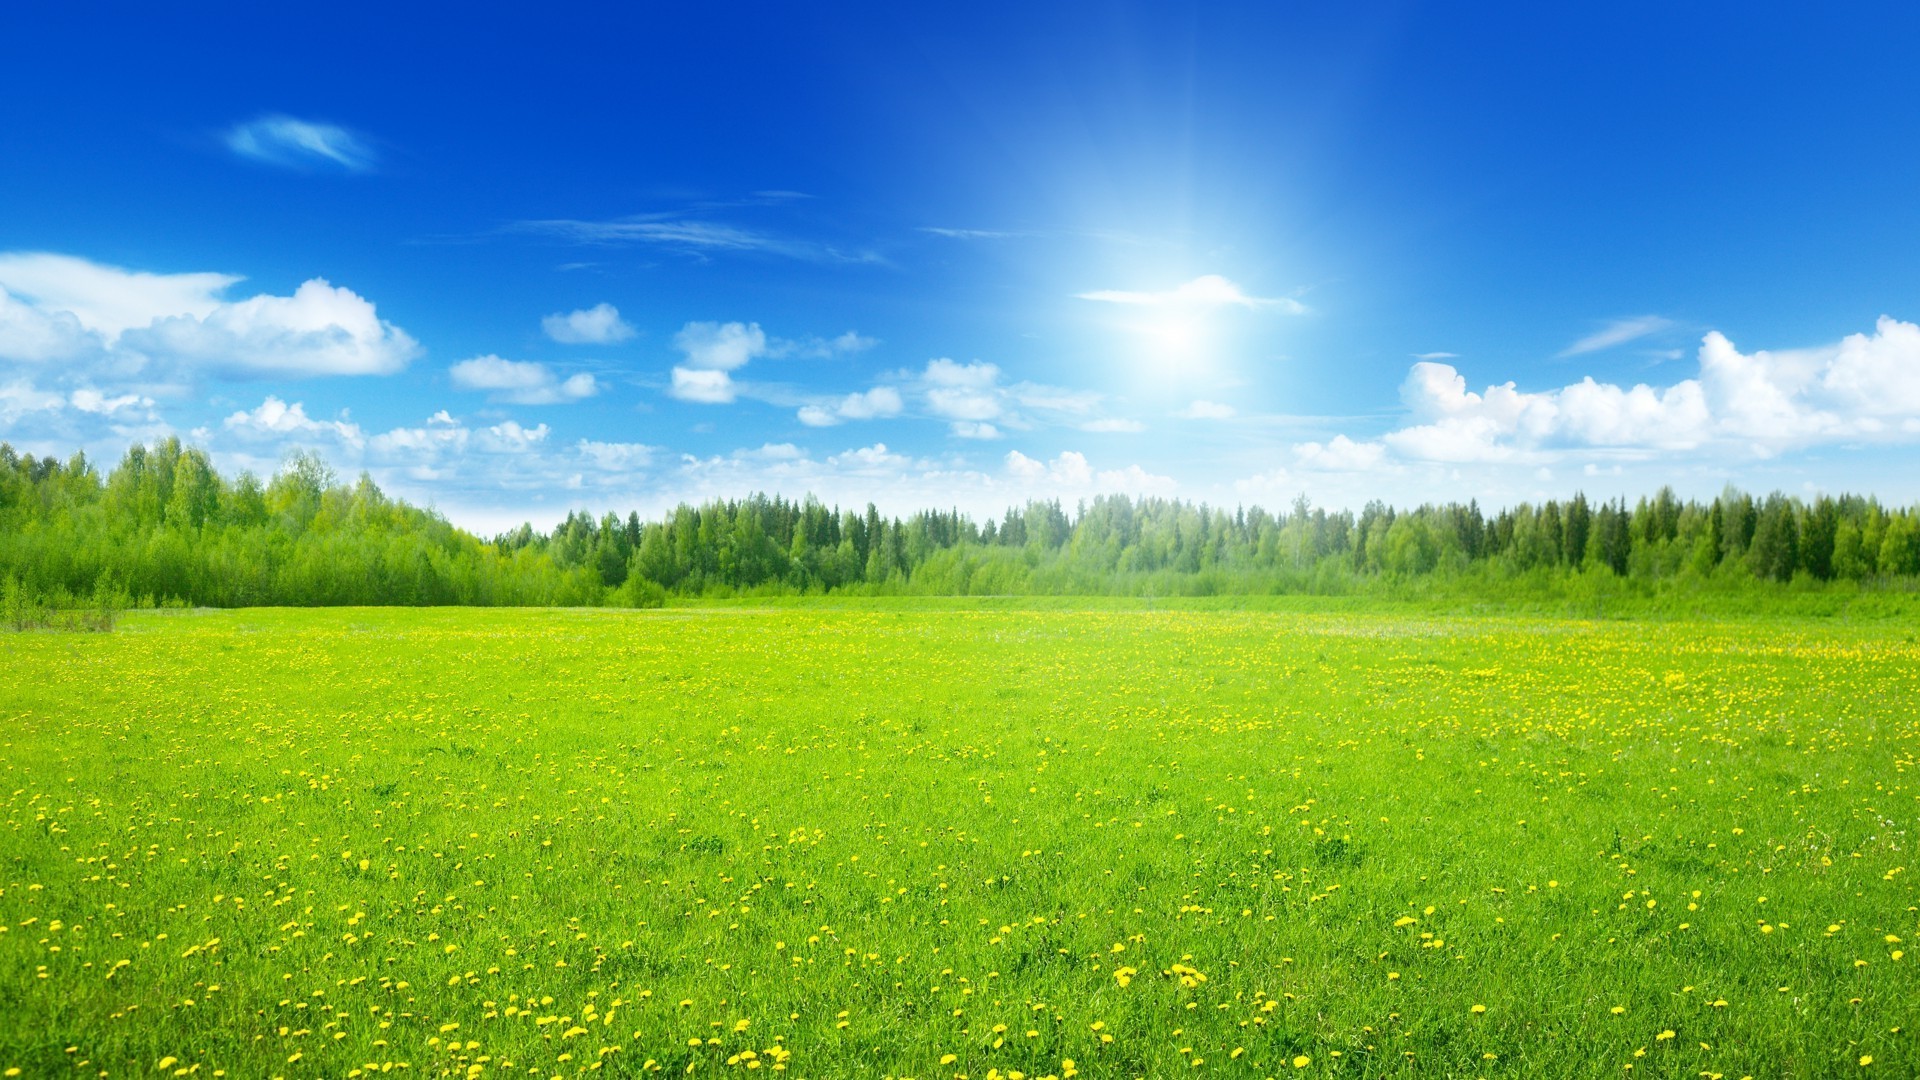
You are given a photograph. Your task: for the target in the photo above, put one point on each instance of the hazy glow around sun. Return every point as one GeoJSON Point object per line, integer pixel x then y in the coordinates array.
{"type": "Point", "coordinates": [1183, 329]}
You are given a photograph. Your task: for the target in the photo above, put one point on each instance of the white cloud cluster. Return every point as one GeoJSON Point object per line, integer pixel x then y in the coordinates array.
{"type": "Point", "coordinates": [600, 324]}
{"type": "Point", "coordinates": [59, 309]}
{"type": "Point", "coordinates": [877, 403]}
{"type": "Point", "coordinates": [977, 405]}
{"type": "Point", "coordinates": [291, 143]}
{"type": "Point", "coordinates": [712, 351]}
{"type": "Point", "coordinates": [521, 382]}
{"type": "Point", "coordinates": [1864, 389]}
{"type": "Point", "coordinates": [274, 418]}
{"type": "Point", "coordinates": [1070, 471]}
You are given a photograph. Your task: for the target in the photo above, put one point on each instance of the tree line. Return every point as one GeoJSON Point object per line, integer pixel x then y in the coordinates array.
{"type": "Point", "coordinates": [164, 527]}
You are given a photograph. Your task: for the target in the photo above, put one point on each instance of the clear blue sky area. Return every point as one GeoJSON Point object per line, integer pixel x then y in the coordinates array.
{"type": "Point", "coordinates": [518, 260]}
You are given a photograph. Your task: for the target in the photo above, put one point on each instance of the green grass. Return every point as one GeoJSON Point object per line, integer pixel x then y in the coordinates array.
{"type": "Point", "coordinates": [855, 839]}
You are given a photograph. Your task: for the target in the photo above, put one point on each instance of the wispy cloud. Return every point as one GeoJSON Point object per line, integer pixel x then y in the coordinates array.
{"type": "Point", "coordinates": [971, 234]}
{"type": "Point", "coordinates": [1209, 290]}
{"type": "Point", "coordinates": [1436, 356]}
{"type": "Point", "coordinates": [1617, 332]}
{"type": "Point", "coordinates": [687, 234]}
{"type": "Point", "coordinates": [1206, 410]}
{"type": "Point", "coordinates": [291, 143]}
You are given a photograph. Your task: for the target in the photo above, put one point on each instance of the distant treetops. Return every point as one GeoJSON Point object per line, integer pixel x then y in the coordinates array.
{"type": "Point", "coordinates": [164, 526]}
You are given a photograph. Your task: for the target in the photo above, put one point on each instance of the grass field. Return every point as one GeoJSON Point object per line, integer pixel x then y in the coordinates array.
{"type": "Point", "coordinates": [909, 841]}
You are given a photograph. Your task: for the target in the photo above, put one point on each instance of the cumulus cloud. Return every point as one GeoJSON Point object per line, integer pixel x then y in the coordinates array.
{"type": "Point", "coordinates": [1340, 454]}
{"type": "Point", "coordinates": [290, 143]}
{"type": "Point", "coordinates": [319, 330]}
{"type": "Point", "coordinates": [1209, 290]}
{"type": "Point", "coordinates": [521, 382]}
{"type": "Point", "coordinates": [713, 346]}
{"type": "Point", "coordinates": [62, 308]}
{"type": "Point", "coordinates": [276, 418]}
{"type": "Point", "coordinates": [711, 351]}
{"type": "Point", "coordinates": [1070, 471]}
{"type": "Point", "coordinates": [1866, 388]}
{"type": "Point", "coordinates": [879, 402]}
{"type": "Point", "coordinates": [977, 405]}
{"type": "Point", "coordinates": [705, 387]}
{"type": "Point", "coordinates": [1206, 410]}
{"type": "Point", "coordinates": [509, 437]}
{"type": "Point", "coordinates": [966, 394]}
{"type": "Point", "coordinates": [600, 324]}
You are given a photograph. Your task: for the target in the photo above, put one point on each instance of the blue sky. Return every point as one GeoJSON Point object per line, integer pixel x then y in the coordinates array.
{"type": "Point", "coordinates": [518, 262]}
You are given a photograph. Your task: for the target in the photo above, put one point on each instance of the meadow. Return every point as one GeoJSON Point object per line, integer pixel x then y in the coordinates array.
{"type": "Point", "coordinates": [958, 840]}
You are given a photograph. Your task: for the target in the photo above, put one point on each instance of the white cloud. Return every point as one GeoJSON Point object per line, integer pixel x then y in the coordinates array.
{"type": "Point", "coordinates": [869, 460]}
{"type": "Point", "coordinates": [1070, 471]}
{"type": "Point", "coordinates": [107, 300]}
{"type": "Point", "coordinates": [1055, 398]}
{"type": "Point", "coordinates": [420, 445]}
{"type": "Point", "coordinates": [1866, 388]}
{"type": "Point", "coordinates": [881, 401]}
{"type": "Point", "coordinates": [88, 400]}
{"type": "Point", "coordinates": [58, 307]}
{"type": "Point", "coordinates": [708, 387]}
{"type": "Point", "coordinates": [275, 417]}
{"type": "Point", "coordinates": [1617, 332]}
{"type": "Point", "coordinates": [600, 324]}
{"type": "Point", "coordinates": [688, 235]}
{"type": "Point", "coordinates": [1206, 410]}
{"type": "Point", "coordinates": [1878, 374]}
{"type": "Point", "coordinates": [966, 394]}
{"type": "Point", "coordinates": [1070, 468]}
{"type": "Point", "coordinates": [521, 382]}
{"type": "Point", "coordinates": [973, 376]}
{"type": "Point", "coordinates": [319, 330]}
{"type": "Point", "coordinates": [31, 335]}
{"type": "Point", "coordinates": [509, 437]}
{"type": "Point", "coordinates": [616, 456]}
{"type": "Point", "coordinates": [1113, 425]}
{"type": "Point", "coordinates": [20, 398]}
{"type": "Point", "coordinates": [1341, 454]}
{"type": "Point", "coordinates": [977, 406]}
{"type": "Point", "coordinates": [1209, 290]}
{"type": "Point", "coordinates": [299, 144]}
{"type": "Point", "coordinates": [1435, 355]}
{"type": "Point", "coordinates": [720, 346]}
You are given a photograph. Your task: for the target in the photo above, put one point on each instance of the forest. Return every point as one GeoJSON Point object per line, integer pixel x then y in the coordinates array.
{"type": "Point", "coordinates": [164, 528]}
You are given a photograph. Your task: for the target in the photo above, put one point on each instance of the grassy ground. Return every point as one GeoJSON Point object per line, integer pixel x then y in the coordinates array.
{"type": "Point", "coordinates": [953, 840]}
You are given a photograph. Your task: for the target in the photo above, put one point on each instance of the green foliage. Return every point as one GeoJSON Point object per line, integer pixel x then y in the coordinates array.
{"type": "Point", "coordinates": [167, 526]}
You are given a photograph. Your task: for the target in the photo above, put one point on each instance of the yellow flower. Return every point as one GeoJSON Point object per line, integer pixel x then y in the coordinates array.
{"type": "Point", "coordinates": [948, 1059]}
{"type": "Point", "coordinates": [1302, 1061]}
{"type": "Point", "coordinates": [1866, 1059]}
{"type": "Point", "coordinates": [1618, 1009]}
{"type": "Point", "coordinates": [1477, 1009]}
